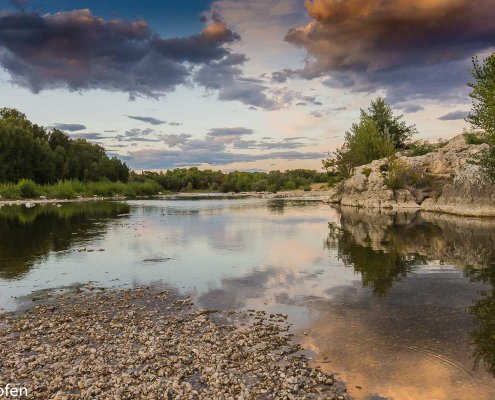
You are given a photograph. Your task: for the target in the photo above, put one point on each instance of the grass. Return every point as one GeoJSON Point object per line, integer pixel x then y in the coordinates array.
{"type": "Point", "coordinates": [72, 189]}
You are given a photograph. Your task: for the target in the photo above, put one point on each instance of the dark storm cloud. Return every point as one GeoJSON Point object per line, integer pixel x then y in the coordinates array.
{"type": "Point", "coordinates": [68, 127]}
{"type": "Point", "coordinates": [367, 44]}
{"type": "Point", "coordinates": [225, 76]}
{"type": "Point", "coordinates": [454, 115]}
{"type": "Point", "coordinates": [149, 120]}
{"type": "Point", "coordinates": [78, 50]}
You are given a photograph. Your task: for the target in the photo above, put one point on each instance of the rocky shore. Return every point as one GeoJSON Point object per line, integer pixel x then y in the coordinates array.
{"type": "Point", "coordinates": [149, 344]}
{"type": "Point", "coordinates": [456, 185]}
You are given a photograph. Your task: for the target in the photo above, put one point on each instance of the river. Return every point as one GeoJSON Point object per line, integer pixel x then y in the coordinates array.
{"type": "Point", "coordinates": [400, 305]}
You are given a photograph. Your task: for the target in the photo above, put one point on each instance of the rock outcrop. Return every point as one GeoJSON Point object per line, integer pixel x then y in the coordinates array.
{"type": "Point", "coordinates": [460, 186]}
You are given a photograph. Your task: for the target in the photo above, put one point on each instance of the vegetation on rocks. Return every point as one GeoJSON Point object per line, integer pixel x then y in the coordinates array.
{"type": "Point", "coordinates": [379, 133]}
{"type": "Point", "coordinates": [482, 115]}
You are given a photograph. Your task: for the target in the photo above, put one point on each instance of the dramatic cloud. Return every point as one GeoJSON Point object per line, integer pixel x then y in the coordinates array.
{"type": "Point", "coordinates": [149, 120]}
{"type": "Point", "coordinates": [455, 115]}
{"type": "Point", "coordinates": [78, 50]}
{"type": "Point", "coordinates": [226, 77]}
{"type": "Point", "coordinates": [68, 127]}
{"type": "Point", "coordinates": [368, 44]}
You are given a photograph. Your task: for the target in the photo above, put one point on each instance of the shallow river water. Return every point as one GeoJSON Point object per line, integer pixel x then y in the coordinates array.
{"type": "Point", "coordinates": [401, 306]}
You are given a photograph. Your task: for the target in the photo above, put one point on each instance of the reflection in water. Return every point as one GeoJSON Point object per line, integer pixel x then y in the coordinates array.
{"type": "Point", "coordinates": [407, 331]}
{"type": "Point", "coordinates": [400, 304]}
{"type": "Point", "coordinates": [379, 269]}
{"type": "Point", "coordinates": [27, 236]}
{"type": "Point", "coordinates": [483, 311]}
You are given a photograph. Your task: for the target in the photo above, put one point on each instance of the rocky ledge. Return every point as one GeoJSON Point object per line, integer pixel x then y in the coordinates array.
{"type": "Point", "coordinates": [149, 344]}
{"type": "Point", "coordinates": [457, 186]}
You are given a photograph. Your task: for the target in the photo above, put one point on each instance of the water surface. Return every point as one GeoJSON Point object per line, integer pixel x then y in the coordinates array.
{"type": "Point", "coordinates": [400, 305]}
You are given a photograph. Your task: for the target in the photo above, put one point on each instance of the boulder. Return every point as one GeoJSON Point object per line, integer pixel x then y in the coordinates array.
{"type": "Point", "coordinates": [462, 186]}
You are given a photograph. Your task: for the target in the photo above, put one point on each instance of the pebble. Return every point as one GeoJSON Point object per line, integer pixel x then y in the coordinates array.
{"type": "Point", "coordinates": [147, 344]}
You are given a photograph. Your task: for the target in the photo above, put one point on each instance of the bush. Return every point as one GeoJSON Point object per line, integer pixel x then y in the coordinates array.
{"type": "Point", "coordinates": [475, 137]}
{"type": "Point", "coordinates": [28, 189]}
{"type": "Point", "coordinates": [401, 175]}
{"type": "Point", "coordinates": [366, 171]}
{"type": "Point", "coordinates": [420, 148]}
{"type": "Point", "coordinates": [9, 191]}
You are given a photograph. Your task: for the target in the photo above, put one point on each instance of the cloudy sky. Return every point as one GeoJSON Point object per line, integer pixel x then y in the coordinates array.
{"type": "Point", "coordinates": [237, 84]}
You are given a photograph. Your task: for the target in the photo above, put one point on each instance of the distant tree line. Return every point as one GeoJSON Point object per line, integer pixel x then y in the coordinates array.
{"type": "Point", "coordinates": [192, 179]}
{"type": "Point", "coordinates": [29, 151]}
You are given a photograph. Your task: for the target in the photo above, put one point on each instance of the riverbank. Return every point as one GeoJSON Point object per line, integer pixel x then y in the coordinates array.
{"type": "Point", "coordinates": [443, 180]}
{"type": "Point", "coordinates": [322, 195]}
{"type": "Point", "coordinates": [150, 343]}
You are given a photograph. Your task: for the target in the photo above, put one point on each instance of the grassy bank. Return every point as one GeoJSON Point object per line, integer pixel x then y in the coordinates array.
{"type": "Point", "coordinates": [72, 189]}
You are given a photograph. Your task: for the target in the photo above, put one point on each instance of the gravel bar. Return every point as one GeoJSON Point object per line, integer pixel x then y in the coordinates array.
{"type": "Point", "coordinates": [145, 343]}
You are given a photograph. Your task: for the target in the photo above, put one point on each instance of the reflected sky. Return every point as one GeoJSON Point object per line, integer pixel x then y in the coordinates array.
{"type": "Point", "coordinates": [400, 305]}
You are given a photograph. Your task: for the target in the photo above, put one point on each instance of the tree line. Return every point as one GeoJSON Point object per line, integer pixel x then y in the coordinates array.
{"type": "Point", "coordinates": [37, 161]}
{"type": "Point", "coordinates": [193, 179]}
{"type": "Point", "coordinates": [29, 151]}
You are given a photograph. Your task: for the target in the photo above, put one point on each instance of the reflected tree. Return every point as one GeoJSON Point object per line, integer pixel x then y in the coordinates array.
{"type": "Point", "coordinates": [483, 312]}
{"type": "Point", "coordinates": [379, 269]}
{"type": "Point", "coordinates": [27, 236]}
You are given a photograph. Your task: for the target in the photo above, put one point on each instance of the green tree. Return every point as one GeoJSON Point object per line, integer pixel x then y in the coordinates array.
{"type": "Point", "coordinates": [363, 144]}
{"type": "Point", "coordinates": [482, 115]}
{"type": "Point", "coordinates": [389, 125]}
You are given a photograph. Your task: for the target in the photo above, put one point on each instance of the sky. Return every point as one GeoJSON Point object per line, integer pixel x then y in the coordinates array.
{"type": "Point", "coordinates": [237, 84]}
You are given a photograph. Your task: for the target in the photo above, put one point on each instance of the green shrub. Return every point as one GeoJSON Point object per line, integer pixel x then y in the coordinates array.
{"type": "Point", "coordinates": [475, 137]}
{"type": "Point", "coordinates": [401, 175]}
{"type": "Point", "coordinates": [366, 171]}
{"type": "Point", "coordinates": [307, 188]}
{"type": "Point", "coordinates": [9, 191]}
{"type": "Point", "coordinates": [420, 148]}
{"type": "Point", "coordinates": [28, 189]}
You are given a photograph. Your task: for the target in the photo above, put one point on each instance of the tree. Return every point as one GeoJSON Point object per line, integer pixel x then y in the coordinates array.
{"type": "Point", "coordinates": [482, 115]}
{"type": "Point", "coordinates": [12, 113]}
{"type": "Point", "coordinates": [389, 125]}
{"type": "Point", "coordinates": [363, 144]}
{"type": "Point", "coordinates": [28, 151]}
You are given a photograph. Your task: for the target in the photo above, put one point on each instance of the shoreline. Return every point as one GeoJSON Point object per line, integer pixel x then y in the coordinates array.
{"type": "Point", "coordinates": [326, 196]}
{"type": "Point", "coordinates": [292, 194]}
{"type": "Point", "coordinates": [128, 343]}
